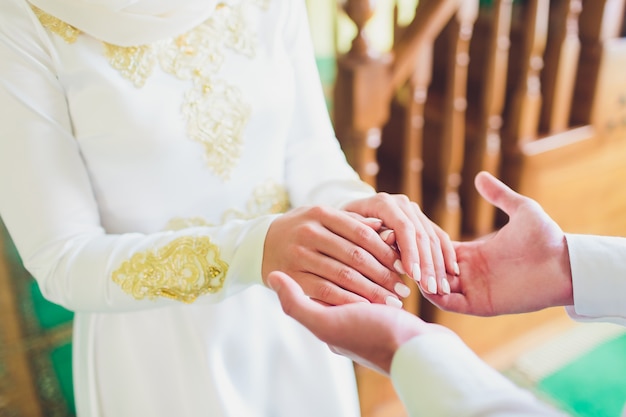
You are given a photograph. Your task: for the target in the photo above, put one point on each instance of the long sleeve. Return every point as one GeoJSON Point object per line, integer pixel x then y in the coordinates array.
{"type": "Point", "coordinates": [94, 163]}
{"type": "Point", "coordinates": [598, 266]}
{"type": "Point", "coordinates": [438, 375]}
{"type": "Point", "coordinates": [48, 203]}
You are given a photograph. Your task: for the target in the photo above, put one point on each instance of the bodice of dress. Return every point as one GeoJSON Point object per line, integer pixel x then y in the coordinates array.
{"type": "Point", "coordinates": [155, 170]}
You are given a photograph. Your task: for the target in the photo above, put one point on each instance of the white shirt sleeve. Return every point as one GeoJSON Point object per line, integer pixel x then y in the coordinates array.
{"type": "Point", "coordinates": [438, 375]}
{"type": "Point", "coordinates": [598, 277]}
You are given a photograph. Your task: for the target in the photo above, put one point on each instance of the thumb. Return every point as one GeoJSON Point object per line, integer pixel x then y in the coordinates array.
{"type": "Point", "coordinates": [497, 193]}
{"type": "Point", "coordinates": [292, 298]}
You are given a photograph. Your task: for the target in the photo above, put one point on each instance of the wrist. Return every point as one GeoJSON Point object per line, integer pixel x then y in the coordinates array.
{"type": "Point", "coordinates": [564, 276]}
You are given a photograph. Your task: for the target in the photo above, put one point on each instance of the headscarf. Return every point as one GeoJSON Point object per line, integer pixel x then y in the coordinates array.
{"type": "Point", "coordinates": [130, 22]}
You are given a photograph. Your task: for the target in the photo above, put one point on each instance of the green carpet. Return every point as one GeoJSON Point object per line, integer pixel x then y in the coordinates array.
{"type": "Point", "coordinates": [582, 372]}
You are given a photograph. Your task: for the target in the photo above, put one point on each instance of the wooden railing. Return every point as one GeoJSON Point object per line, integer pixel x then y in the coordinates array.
{"type": "Point", "coordinates": [533, 91]}
{"type": "Point", "coordinates": [469, 87]}
{"type": "Point", "coordinates": [528, 90]}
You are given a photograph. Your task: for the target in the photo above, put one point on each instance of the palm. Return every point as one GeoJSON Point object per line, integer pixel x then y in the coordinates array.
{"type": "Point", "coordinates": [513, 270]}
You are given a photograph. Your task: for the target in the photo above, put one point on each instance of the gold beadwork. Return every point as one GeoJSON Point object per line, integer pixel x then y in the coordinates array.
{"type": "Point", "coordinates": [66, 31]}
{"type": "Point", "coordinates": [215, 110]}
{"type": "Point", "coordinates": [216, 117]}
{"type": "Point", "coordinates": [134, 62]}
{"type": "Point", "coordinates": [267, 198]}
{"type": "Point", "coordinates": [179, 223]}
{"type": "Point", "coordinates": [183, 270]}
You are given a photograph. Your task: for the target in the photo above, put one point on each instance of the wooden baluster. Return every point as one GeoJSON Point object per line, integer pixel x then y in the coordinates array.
{"type": "Point", "coordinates": [361, 95]}
{"type": "Point", "coordinates": [599, 20]}
{"type": "Point", "coordinates": [521, 121]}
{"type": "Point", "coordinates": [561, 62]}
{"type": "Point", "coordinates": [489, 54]}
{"type": "Point", "coordinates": [449, 158]}
{"type": "Point", "coordinates": [413, 132]}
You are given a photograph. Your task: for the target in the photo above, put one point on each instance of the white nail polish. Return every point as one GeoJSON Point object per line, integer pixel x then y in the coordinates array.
{"type": "Point", "coordinates": [432, 285]}
{"type": "Point", "coordinates": [385, 234]}
{"type": "Point", "coordinates": [457, 270]}
{"type": "Point", "coordinates": [402, 290]}
{"type": "Point", "coordinates": [393, 301]}
{"type": "Point", "coordinates": [417, 272]}
{"type": "Point", "coordinates": [398, 265]}
{"type": "Point", "coordinates": [445, 286]}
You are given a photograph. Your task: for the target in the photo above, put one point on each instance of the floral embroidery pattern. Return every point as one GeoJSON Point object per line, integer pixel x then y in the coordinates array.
{"type": "Point", "coordinates": [68, 32]}
{"type": "Point", "coordinates": [215, 111]}
{"type": "Point", "coordinates": [268, 198]}
{"type": "Point", "coordinates": [185, 269]}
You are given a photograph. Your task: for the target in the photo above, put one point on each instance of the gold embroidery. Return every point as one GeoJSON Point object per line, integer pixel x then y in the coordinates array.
{"type": "Point", "coordinates": [268, 198]}
{"type": "Point", "coordinates": [134, 62]}
{"type": "Point", "coordinates": [215, 110]}
{"type": "Point", "coordinates": [238, 33]}
{"type": "Point", "coordinates": [183, 270]}
{"type": "Point", "coordinates": [180, 223]}
{"type": "Point", "coordinates": [217, 117]}
{"type": "Point", "coordinates": [66, 31]}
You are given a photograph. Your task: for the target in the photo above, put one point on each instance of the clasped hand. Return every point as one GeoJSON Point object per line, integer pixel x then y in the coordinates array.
{"type": "Point", "coordinates": [338, 256]}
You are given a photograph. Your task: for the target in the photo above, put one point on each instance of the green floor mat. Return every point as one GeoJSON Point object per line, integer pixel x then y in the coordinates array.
{"type": "Point", "coordinates": [582, 371]}
{"type": "Point", "coordinates": [594, 384]}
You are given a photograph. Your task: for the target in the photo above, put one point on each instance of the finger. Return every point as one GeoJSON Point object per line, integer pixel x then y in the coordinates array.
{"type": "Point", "coordinates": [373, 222]}
{"type": "Point", "coordinates": [497, 193]}
{"type": "Point", "coordinates": [439, 266]}
{"type": "Point", "coordinates": [393, 211]}
{"type": "Point", "coordinates": [293, 299]}
{"type": "Point", "coordinates": [388, 236]}
{"type": "Point", "coordinates": [363, 250]}
{"type": "Point", "coordinates": [359, 234]}
{"type": "Point", "coordinates": [455, 302]}
{"type": "Point", "coordinates": [450, 259]}
{"type": "Point", "coordinates": [430, 260]}
{"type": "Point", "coordinates": [344, 285]}
{"type": "Point", "coordinates": [336, 271]}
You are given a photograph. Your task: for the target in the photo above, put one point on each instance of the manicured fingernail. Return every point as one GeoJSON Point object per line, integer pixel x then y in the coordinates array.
{"type": "Point", "coordinates": [432, 285]}
{"type": "Point", "coordinates": [457, 270]}
{"type": "Point", "coordinates": [417, 272]}
{"type": "Point", "coordinates": [393, 301]}
{"type": "Point", "coordinates": [398, 265]}
{"type": "Point", "coordinates": [445, 286]}
{"type": "Point", "coordinates": [384, 235]}
{"type": "Point", "coordinates": [402, 290]}
{"type": "Point", "coordinates": [273, 285]}
{"type": "Point", "coordinates": [374, 219]}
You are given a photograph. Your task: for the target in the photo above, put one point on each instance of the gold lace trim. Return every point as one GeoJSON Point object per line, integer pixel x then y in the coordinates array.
{"type": "Point", "coordinates": [66, 31]}
{"type": "Point", "coordinates": [215, 111]}
{"type": "Point", "coordinates": [183, 270]}
{"type": "Point", "coordinates": [134, 63]}
{"type": "Point", "coordinates": [268, 198]}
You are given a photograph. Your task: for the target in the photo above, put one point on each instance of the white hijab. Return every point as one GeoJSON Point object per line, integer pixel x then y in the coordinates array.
{"type": "Point", "coordinates": [130, 22]}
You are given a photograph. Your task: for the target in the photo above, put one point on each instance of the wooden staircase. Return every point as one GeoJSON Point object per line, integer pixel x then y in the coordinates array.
{"type": "Point", "coordinates": [533, 91]}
